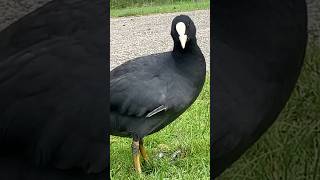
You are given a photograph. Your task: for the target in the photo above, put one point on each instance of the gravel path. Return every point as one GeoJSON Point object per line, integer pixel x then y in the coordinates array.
{"type": "Point", "coordinates": [12, 10]}
{"type": "Point", "coordinates": [143, 35]}
{"type": "Point", "coordinates": [126, 29]}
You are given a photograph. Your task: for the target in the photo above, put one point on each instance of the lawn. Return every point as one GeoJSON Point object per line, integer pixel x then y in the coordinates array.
{"type": "Point", "coordinates": [290, 150]}
{"type": "Point", "coordinates": [144, 7]}
{"type": "Point", "coordinates": [179, 151]}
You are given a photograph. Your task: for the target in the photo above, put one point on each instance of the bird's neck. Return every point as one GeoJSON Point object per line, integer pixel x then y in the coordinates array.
{"type": "Point", "coordinates": [191, 47]}
{"type": "Point", "coordinates": [190, 61]}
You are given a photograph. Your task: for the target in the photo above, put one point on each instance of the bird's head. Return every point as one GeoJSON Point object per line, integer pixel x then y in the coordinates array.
{"type": "Point", "coordinates": [183, 31]}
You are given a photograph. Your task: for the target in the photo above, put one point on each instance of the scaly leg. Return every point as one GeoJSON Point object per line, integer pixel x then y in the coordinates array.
{"type": "Point", "coordinates": [143, 151]}
{"type": "Point", "coordinates": [136, 156]}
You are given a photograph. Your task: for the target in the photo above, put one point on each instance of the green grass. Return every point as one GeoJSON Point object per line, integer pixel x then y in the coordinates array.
{"type": "Point", "coordinates": [120, 4]}
{"type": "Point", "coordinates": [290, 150]}
{"type": "Point", "coordinates": [189, 134]}
{"type": "Point", "coordinates": [165, 7]}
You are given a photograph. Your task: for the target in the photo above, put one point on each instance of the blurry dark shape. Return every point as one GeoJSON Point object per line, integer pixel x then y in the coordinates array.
{"type": "Point", "coordinates": [53, 93]}
{"type": "Point", "coordinates": [258, 51]}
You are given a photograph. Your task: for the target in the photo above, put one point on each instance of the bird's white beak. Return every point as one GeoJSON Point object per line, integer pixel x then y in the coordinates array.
{"type": "Point", "coordinates": [183, 40]}
{"type": "Point", "coordinates": [181, 29]}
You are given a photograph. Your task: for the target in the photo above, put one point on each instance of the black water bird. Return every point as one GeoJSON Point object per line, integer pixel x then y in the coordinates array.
{"type": "Point", "coordinates": [148, 93]}
{"type": "Point", "coordinates": [258, 50]}
{"type": "Point", "coordinates": [53, 93]}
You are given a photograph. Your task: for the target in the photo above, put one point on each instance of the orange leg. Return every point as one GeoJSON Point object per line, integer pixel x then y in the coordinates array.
{"type": "Point", "coordinates": [136, 156]}
{"type": "Point", "coordinates": [143, 151]}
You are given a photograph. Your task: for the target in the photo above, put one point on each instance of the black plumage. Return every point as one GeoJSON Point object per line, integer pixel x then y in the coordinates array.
{"type": "Point", "coordinates": [258, 51]}
{"type": "Point", "coordinates": [148, 93]}
{"type": "Point", "coordinates": [53, 91]}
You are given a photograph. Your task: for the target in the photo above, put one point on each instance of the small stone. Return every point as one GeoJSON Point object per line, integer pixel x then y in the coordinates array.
{"type": "Point", "coordinates": [176, 154]}
{"type": "Point", "coordinates": [161, 155]}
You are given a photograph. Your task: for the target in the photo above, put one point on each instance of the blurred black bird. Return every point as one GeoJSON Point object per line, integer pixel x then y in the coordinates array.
{"type": "Point", "coordinates": [148, 93]}
{"type": "Point", "coordinates": [53, 93]}
{"type": "Point", "coordinates": [258, 51]}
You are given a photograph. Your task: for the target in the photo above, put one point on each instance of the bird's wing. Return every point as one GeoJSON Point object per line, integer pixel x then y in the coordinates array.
{"type": "Point", "coordinates": [139, 94]}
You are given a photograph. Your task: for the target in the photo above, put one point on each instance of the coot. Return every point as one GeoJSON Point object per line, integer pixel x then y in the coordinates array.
{"type": "Point", "coordinates": [148, 93]}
